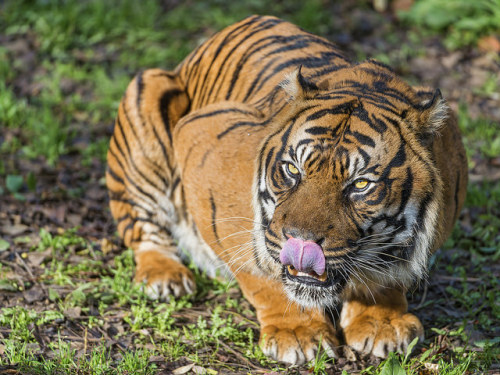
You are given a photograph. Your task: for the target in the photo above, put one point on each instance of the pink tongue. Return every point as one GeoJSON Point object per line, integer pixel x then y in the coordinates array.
{"type": "Point", "coordinates": [304, 256]}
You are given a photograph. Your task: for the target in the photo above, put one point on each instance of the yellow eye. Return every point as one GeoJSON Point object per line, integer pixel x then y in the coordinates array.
{"type": "Point", "coordinates": [292, 169]}
{"type": "Point", "coordinates": [361, 184]}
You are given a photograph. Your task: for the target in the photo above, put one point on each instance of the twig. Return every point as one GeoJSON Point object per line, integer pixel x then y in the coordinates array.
{"type": "Point", "coordinates": [424, 296]}
{"type": "Point", "coordinates": [241, 357]}
{"type": "Point", "coordinates": [85, 341]}
{"type": "Point", "coordinates": [457, 278]}
{"type": "Point", "coordinates": [78, 338]}
{"type": "Point", "coordinates": [30, 274]}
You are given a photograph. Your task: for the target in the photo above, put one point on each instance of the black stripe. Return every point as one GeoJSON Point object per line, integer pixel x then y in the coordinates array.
{"type": "Point", "coordinates": [129, 159]}
{"type": "Point", "coordinates": [271, 244]}
{"type": "Point", "coordinates": [123, 217]}
{"type": "Point", "coordinates": [166, 157]}
{"type": "Point", "coordinates": [140, 88]}
{"type": "Point", "coordinates": [243, 28]}
{"type": "Point", "coordinates": [212, 114]}
{"type": "Point", "coordinates": [238, 125]}
{"type": "Point", "coordinates": [114, 175]}
{"type": "Point", "coordinates": [214, 216]}
{"type": "Point", "coordinates": [261, 27]}
{"type": "Point", "coordinates": [251, 51]}
{"type": "Point", "coordinates": [423, 209]}
{"type": "Point", "coordinates": [116, 197]}
{"type": "Point", "coordinates": [176, 182]}
{"type": "Point", "coordinates": [165, 100]}
{"type": "Point", "coordinates": [381, 195]}
{"type": "Point", "coordinates": [363, 139]}
{"type": "Point", "coordinates": [155, 167]}
{"type": "Point", "coordinates": [307, 62]}
{"type": "Point", "coordinates": [257, 78]}
{"type": "Point", "coordinates": [343, 108]}
{"type": "Point", "coordinates": [133, 183]}
{"type": "Point", "coordinates": [406, 190]}
{"type": "Point", "coordinates": [194, 66]}
{"type": "Point", "coordinates": [319, 130]}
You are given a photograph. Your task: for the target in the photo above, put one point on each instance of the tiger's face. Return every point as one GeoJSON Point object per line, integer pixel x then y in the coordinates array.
{"type": "Point", "coordinates": [342, 191]}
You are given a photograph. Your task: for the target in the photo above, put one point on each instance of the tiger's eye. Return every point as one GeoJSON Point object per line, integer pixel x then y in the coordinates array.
{"type": "Point", "coordinates": [360, 184]}
{"type": "Point", "coordinates": [292, 169]}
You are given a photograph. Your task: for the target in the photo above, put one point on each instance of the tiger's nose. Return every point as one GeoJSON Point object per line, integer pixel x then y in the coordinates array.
{"type": "Point", "coordinates": [304, 256]}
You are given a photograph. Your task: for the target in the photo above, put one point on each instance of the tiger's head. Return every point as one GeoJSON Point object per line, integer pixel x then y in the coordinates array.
{"type": "Point", "coordinates": [347, 193]}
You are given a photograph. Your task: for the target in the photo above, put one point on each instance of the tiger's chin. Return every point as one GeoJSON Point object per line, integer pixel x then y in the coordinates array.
{"type": "Point", "coordinates": [311, 290]}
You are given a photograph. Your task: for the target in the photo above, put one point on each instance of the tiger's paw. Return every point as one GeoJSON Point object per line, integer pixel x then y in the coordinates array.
{"type": "Point", "coordinates": [299, 344]}
{"type": "Point", "coordinates": [163, 276]}
{"type": "Point", "coordinates": [379, 334]}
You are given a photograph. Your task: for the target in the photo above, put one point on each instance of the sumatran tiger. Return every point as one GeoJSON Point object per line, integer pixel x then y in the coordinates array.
{"type": "Point", "coordinates": [319, 184]}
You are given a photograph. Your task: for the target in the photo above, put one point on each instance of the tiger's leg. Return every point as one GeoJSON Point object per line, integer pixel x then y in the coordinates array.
{"type": "Point", "coordinates": [143, 180]}
{"type": "Point", "coordinates": [379, 323]}
{"type": "Point", "coordinates": [289, 333]}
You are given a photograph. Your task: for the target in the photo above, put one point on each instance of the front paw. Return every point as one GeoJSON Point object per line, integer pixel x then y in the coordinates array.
{"type": "Point", "coordinates": [163, 276]}
{"type": "Point", "coordinates": [297, 345]}
{"type": "Point", "coordinates": [379, 335]}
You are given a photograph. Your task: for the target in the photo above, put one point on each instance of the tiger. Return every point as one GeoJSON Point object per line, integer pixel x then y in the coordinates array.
{"type": "Point", "coordinates": [318, 184]}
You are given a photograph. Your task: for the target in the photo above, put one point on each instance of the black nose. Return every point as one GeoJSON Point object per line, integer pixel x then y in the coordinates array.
{"type": "Point", "coordinates": [303, 235]}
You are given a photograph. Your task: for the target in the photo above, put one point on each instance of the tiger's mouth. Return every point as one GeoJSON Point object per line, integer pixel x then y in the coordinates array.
{"type": "Point", "coordinates": [306, 277]}
{"type": "Point", "coordinates": [311, 290]}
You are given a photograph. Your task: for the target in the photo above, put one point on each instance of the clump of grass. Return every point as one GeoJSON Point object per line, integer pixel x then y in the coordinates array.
{"type": "Point", "coordinates": [481, 136]}
{"type": "Point", "coordinates": [461, 22]}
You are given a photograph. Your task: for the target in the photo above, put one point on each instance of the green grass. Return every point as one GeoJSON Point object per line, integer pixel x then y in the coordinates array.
{"type": "Point", "coordinates": [460, 22]}
{"type": "Point", "coordinates": [157, 328]}
{"type": "Point", "coordinates": [481, 136]}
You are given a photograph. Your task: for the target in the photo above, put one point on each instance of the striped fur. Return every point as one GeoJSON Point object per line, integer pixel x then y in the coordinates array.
{"type": "Point", "coordinates": [197, 168]}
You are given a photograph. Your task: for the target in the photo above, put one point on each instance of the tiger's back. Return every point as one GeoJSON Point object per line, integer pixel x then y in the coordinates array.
{"type": "Point", "coordinates": [248, 155]}
{"type": "Point", "coordinates": [246, 62]}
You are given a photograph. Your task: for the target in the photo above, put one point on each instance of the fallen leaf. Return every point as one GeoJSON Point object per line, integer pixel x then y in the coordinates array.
{"type": "Point", "coordinates": [14, 229]}
{"type": "Point", "coordinates": [73, 312]}
{"type": "Point", "coordinates": [56, 213]}
{"type": "Point", "coordinates": [183, 369]}
{"type": "Point", "coordinates": [489, 44]}
{"type": "Point", "coordinates": [156, 358]}
{"type": "Point", "coordinates": [401, 5]}
{"type": "Point", "coordinates": [34, 294]}
{"type": "Point", "coordinates": [36, 258]}
{"type": "Point", "coordinates": [4, 245]}
{"type": "Point", "coordinates": [106, 246]}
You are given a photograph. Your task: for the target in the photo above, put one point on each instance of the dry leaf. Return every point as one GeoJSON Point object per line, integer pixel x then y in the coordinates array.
{"type": "Point", "coordinates": [37, 258]}
{"type": "Point", "coordinates": [183, 369]}
{"type": "Point", "coordinates": [106, 246]}
{"type": "Point", "coordinates": [14, 230]}
{"type": "Point", "coordinates": [73, 312]}
{"type": "Point", "coordinates": [489, 44]}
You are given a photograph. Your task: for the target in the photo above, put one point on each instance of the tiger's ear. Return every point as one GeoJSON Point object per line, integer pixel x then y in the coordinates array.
{"type": "Point", "coordinates": [298, 87]}
{"type": "Point", "coordinates": [434, 112]}
{"type": "Point", "coordinates": [429, 116]}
